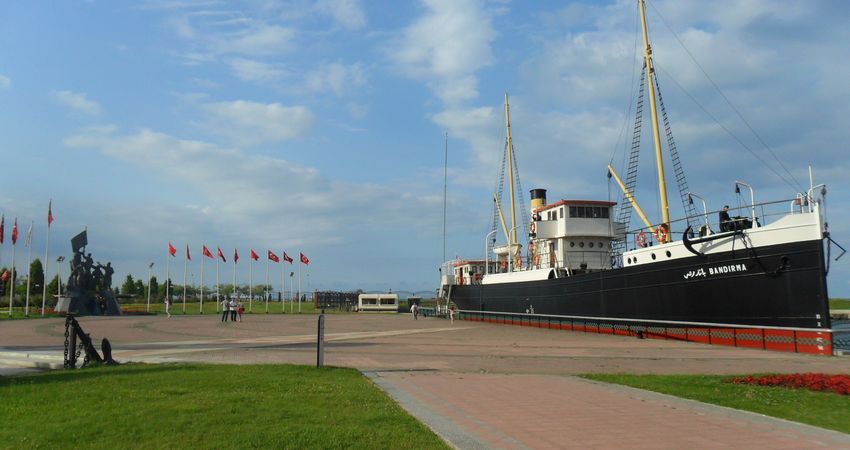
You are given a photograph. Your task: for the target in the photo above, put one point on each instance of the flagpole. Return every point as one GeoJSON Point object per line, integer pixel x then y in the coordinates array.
{"type": "Point", "coordinates": [12, 279]}
{"type": "Point", "coordinates": [150, 276]}
{"type": "Point", "coordinates": [29, 268]}
{"type": "Point", "coordinates": [217, 286]}
{"type": "Point", "coordinates": [251, 282]}
{"type": "Point", "coordinates": [234, 276]}
{"type": "Point", "coordinates": [299, 286]}
{"type": "Point", "coordinates": [202, 284]}
{"type": "Point", "coordinates": [185, 269]}
{"type": "Point", "coordinates": [44, 263]}
{"type": "Point", "coordinates": [267, 285]}
{"type": "Point", "coordinates": [167, 279]}
{"type": "Point", "coordinates": [282, 285]}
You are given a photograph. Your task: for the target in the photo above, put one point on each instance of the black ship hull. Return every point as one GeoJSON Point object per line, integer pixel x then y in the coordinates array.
{"type": "Point", "coordinates": [782, 285]}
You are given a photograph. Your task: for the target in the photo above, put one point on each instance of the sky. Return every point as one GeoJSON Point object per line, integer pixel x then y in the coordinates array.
{"type": "Point", "coordinates": [320, 126]}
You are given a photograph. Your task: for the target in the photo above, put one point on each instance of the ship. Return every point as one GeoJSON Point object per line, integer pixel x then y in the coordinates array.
{"type": "Point", "coordinates": [754, 275]}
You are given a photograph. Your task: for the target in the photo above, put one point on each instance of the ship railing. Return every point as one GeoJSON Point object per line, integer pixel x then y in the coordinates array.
{"type": "Point", "coordinates": [790, 339]}
{"type": "Point", "coordinates": [766, 212]}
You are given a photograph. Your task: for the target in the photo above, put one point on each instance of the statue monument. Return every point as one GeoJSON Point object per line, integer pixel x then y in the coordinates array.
{"type": "Point", "coordinates": [89, 287]}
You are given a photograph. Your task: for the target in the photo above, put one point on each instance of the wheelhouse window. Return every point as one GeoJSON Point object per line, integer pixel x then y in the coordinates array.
{"type": "Point", "coordinates": [590, 212]}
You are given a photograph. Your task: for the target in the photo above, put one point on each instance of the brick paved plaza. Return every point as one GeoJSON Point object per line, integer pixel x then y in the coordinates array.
{"type": "Point", "coordinates": [477, 385]}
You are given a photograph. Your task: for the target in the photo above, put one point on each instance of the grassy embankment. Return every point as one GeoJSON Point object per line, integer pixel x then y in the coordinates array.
{"type": "Point", "coordinates": [839, 303]}
{"type": "Point", "coordinates": [204, 406]}
{"type": "Point", "coordinates": [821, 409]}
{"type": "Point", "coordinates": [193, 308]}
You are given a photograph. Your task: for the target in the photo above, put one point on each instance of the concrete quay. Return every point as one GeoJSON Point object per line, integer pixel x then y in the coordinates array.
{"type": "Point", "coordinates": [477, 385]}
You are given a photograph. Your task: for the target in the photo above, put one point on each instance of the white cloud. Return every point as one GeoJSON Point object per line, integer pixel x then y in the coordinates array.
{"type": "Point", "coordinates": [265, 198]}
{"type": "Point", "coordinates": [259, 39]}
{"type": "Point", "coordinates": [5, 82]}
{"type": "Point", "coordinates": [336, 77]}
{"type": "Point", "coordinates": [251, 70]}
{"type": "Point", "coordinates": [206, 83]}
{"type": "Point", "coordinates": [76, 101]}
{"type": "Point", "coordinates": [347, 13]}
{"type": "Point", "coordinates": [249, 123]}
{"type": "Point", "coordinates": [446, 46]}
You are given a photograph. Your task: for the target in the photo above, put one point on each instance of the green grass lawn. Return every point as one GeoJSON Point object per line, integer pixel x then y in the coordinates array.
{"type": "Point", "coordinates": [18, 313]}
{"type": "Point", "coordinates": [204, 406]}
{"type": "Point", "coordinates": [839, 303]}
{"type": "Point", "coordinates": [825, 410]}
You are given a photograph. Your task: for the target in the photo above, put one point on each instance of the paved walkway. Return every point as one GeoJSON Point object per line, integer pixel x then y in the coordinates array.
{"type": "Point", "coordinates": [550, 412]}
{"type": "Point", "coordinates": [477, 385]}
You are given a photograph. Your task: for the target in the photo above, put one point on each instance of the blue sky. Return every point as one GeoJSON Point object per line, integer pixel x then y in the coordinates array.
{"type": "Point", "coordinates": [317, 126]}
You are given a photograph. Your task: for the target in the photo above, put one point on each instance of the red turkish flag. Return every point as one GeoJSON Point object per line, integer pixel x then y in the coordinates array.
{"type": "Point", "coordinates": [49, 213]}
{"type": "Point", "coordinates": [304, 259]}
{"type": "Point", "coordinates": [221, 255]}
{"type": "Point", "coordinates": [273, 257]}
{"type": "Point", "coordinates": [235, 256]}
{"type": "Point", "coordinates": [171, 249]}
{"type": "Point", "coordinates": [287, 258]}
{"type": "Point", "coordinates": [15, 232]}
{"type": "Point", "coordinates": [254, 255]}
{"type": "Point", "coordinates": [188, 256]}
{"type": "Point", "coordinates": [207, 253]}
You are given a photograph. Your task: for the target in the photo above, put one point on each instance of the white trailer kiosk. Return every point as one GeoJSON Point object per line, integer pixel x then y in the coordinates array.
{"type": "Point", "coordinates": [377, 302]}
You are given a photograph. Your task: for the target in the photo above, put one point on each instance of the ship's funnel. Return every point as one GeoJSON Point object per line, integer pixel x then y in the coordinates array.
{"type": "Point", "coordinates": [538, 199]}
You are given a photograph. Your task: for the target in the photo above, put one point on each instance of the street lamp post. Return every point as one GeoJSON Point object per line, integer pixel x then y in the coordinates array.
{"type": "Point", "coordinates": [150, 277]}
{"type": "Point", "coordinates": [59, 277]}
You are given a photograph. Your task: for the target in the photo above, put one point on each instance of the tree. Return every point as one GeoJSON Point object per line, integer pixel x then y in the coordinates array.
{"type": "Point", "coordinates": [154, 289]}
{"type": "Point", "coordinates": [129, 286]}
{"type": "Point", "coordinates": [140, 287]}
{"type": "Point", "coordinates": [37, 274]}
{"type": "Point", "coordinates": [52, 291]}
{"type": "Point", "coordinates": [162, 288]}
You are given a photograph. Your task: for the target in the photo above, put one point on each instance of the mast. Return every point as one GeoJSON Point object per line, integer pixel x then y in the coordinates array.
{"type": "Point", "coordinates": [445, 191]}
{"type": "Point", "coordinates": [659, 161]}
{"type": "Point", "coordinates": [513, 233]}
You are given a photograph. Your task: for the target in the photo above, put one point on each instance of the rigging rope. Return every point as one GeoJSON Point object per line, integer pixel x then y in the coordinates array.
{"type": "Point", "coordinates": [727, 130]}
{"type": "Point", "coordinates": [732, 106]}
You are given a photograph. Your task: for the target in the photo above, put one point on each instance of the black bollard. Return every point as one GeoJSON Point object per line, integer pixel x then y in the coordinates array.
{"type": "Point", "coordinates": [320, 342]}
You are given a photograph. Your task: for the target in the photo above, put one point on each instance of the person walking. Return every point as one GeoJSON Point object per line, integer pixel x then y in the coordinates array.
{"type": "Point", "coordinates": [415, 310]}
{"type": "Point", "coordinates": [168, 307]}
{"type": "Point", "coordinates": [232, 309]}
{"type": "Point", "coordinates": [452, 315]}
{"type": "Point", "coordinates": [225, 310]}
{"type": "Point", "coordinates": [240, 308]}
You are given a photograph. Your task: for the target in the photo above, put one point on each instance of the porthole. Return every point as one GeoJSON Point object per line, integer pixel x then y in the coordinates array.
{"type": "Point", "coordinates": [581, 244]}
{"type": "Point", "coordinates": [629, 260]}
{"type": "Point", "coordinates": [572, 244]}
{"type": "Point", "coordinates": [669, 254]}
{"type": "Point", "coordinates": [653, 256]}
{"type": "Point", "coordinates": [601, 245]}
{"type": "Point", "coordinates": [590, 244]}
{"type": "Point", "coordinates": [634, 259]}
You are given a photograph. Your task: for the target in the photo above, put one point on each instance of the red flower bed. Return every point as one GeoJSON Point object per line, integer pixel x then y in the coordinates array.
{"type": "Point", "coordinates": [839, 384]}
